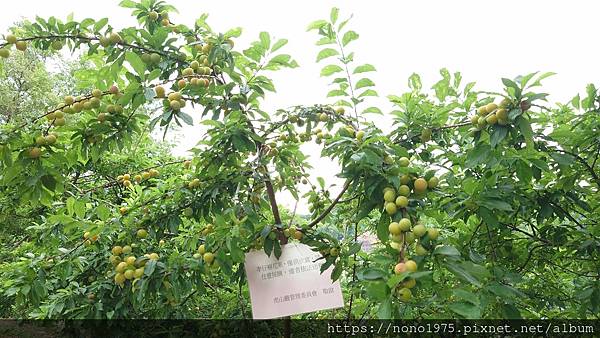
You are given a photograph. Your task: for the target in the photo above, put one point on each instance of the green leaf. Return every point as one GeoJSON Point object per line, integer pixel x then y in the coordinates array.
{"type": "Point", "coordinates": [488, 217]}
{"type": "Point", "coordinates": [498, 134]}
{"type": "Point", "coordinates": [127, 4]}
{"type": "Point", "coordinates": [233, 33]}
{"type": "Point", "coordinates": [136, 63]}
{"type": "Point", "coordinates": [368, 92]}
{"type": "Point", "coordinates": [370, 274]}
{"type": "Point", "coordinates": [540, 78]}
{"type": "Point", "coordinates": [333, 16]}
{"type": "Point", "coordinates": [446, 250]}
{"type": "Point", "coordinates": [316, 25]}
{"type": "Point", "coordinates": [325, 53]}
{"type": "Point", "coordinates": [525, 127]}
{"type": "Point", "coordinates": [524, 172]}
{"type": "Point", "coordinates": [330, 69]}
{"type": "Point", "coordinates": [265, 40]}
{"type": "Point", "coordinates": [336, 92]}
{"type": "Point", "coordinates": [277, 45]}
{"type": "Point", "coordinates": [385, 309]}
{"type": "Point", "coordinates": [364, 83]}
{"type": "Point", "coordinates": [467, 310]}
{"type": "Point", "coordinates": [364, 68]}
{"type": "Point", "coordinates": [349, 36]}
{"type": "Point", "coordinates": [372, 110]}
{"type": "Point", "coordinates": [378, 290]}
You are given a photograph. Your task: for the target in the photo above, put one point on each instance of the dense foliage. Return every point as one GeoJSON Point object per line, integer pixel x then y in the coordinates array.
{"type": "Point", "coordinates": [483, 204]}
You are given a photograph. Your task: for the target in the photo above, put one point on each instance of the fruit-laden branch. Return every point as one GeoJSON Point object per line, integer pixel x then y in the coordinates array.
{"type": "Point", "coordinates": [328, 210]}
{"type": "Point", "coordinates": [90, 39]}
{"type": "Point", "coordinates": [84, 98]}
{"type": "Point", "coordinates": [115, 182]}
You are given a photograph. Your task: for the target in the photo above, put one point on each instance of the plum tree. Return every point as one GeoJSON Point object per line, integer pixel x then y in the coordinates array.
{"type": "Point", "coordinates": [164, 244]}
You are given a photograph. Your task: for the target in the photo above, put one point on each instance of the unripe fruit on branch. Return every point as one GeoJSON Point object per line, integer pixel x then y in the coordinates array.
{"type": "Point", "coordinates": [153, 15]}
{"type": "Point", "coordinates": [138, 273]}
{"type": "Point", "coordinates": [128, 274]}
{"type": "Point", "coordinates": [482, 110]}
{"type": "Point", "coordinates": [119, 278]}
{"type": "Point", "coordinates": [160, 91]}
{"type": "Point", "coordinates": [182, 83]}
{"type": "Point", "coordinates": [127, 249]}
{"type": "Point", "coordinates": [404, 224]}
{"type": "Point", "coordinates": [433, 233]}
{"type": "Point", "coordinates": [502, 114]}
{"type": "Point", "coordinates": [409, 283]}
{"type": "Point", "coordinates": [10, 38]}
{"type": "Point", "coordinates": [323, 117]}
{"type": "Point", "coordinates": [114, 89]}
{"type": "Point", "coordinates": [490, 107]}
{"type": "Point", "coordinates": [389, 195]}
{"type": "Point", "coordinates": [97, 93]}
{"type": "Point", "coordinates": [146, 175]}
{"type": "Point", "coordinates": [40, 140]}
{"type": "Point", "coordinates": [394, 228]}
{"type": "Point", "coordinates": [404, 162]}
{"type": "Point", "coordinates": [399, 238]}
{"type": "Point", "coordinates": [390, 208]}
{"type": "Point", "coordinates": [4, 52]}
{"type": "Point", "coordinates": [411, 265]}
{"type": "Point", "coordinates": [174, 96]}
{"type": "Point", "coordinates": [208, 257]}
{"type": "Point", "coordinates": [130, 260]}
{"type": "Point", "coordinates": [121, 267]}
{"type": "Point", "coordinates": [340, 110]}
{"type": "Point", "coordinates": [50, 139]}
{"type": "Point", "coordinates": [155, 58]}
{"type": "Point", "coordinates": [142, 233]}
{"type": "Point", "coordinates": [419, 230]}
{"type": "Point", "coordinates": [34, 152]}
{"type": "Point", "coordinates": [117, 250]}
{"type": "Point", "coordinates": [426, 135]}
{"type": "Point", "coordinates": [401, 202]}
{"type": "Point", "coordinates": [175, 105]}
{"type": "Point", "coordinates": [491, 119]}
{"type": "Point", "coordinates": [474, 119]}
{"type": "Point", "coordinates": [433, 182]}
{"type": "Point", "coordinates": [69, 100]}
{"type": "Point", "coordinates": [114, 38]}
{"type": "Point", "coordinates": [399, 268]}
{"type": "Point", "coordinates": [195, 65]}
{"type": "Point", "coordinates": [404, 294]}
{"type": "Point", "coordinates": [104, 42]}
{"type": "Point", "coordinates": [420, 185]}
{"type": "Point", "coordinates": [56, 45]}
{"type": "Point", "coordinates": [404, 180]}
{"type": "Point", "coordinates": [334, 252]}
{"type": "Point", "coordinates": [188, 72]}
{"type": "Point", "coordinates": [360, 135]}
{"type": "Point", "coordinates": [404, 190]}
{"type": "Point", "coordinates": [153, 256]}
{"type": "Point", "coordinates": [420, 250]}
{"type": "Point", "coordinates": [21, 45]}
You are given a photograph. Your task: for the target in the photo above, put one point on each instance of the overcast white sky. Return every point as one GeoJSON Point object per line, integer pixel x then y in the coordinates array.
{"type": "Point", "coordinates": [484, 40]}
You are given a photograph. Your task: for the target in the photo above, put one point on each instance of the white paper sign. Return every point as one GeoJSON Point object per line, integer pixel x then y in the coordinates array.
{"type": "Point", "coordinates": [291, 285]}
